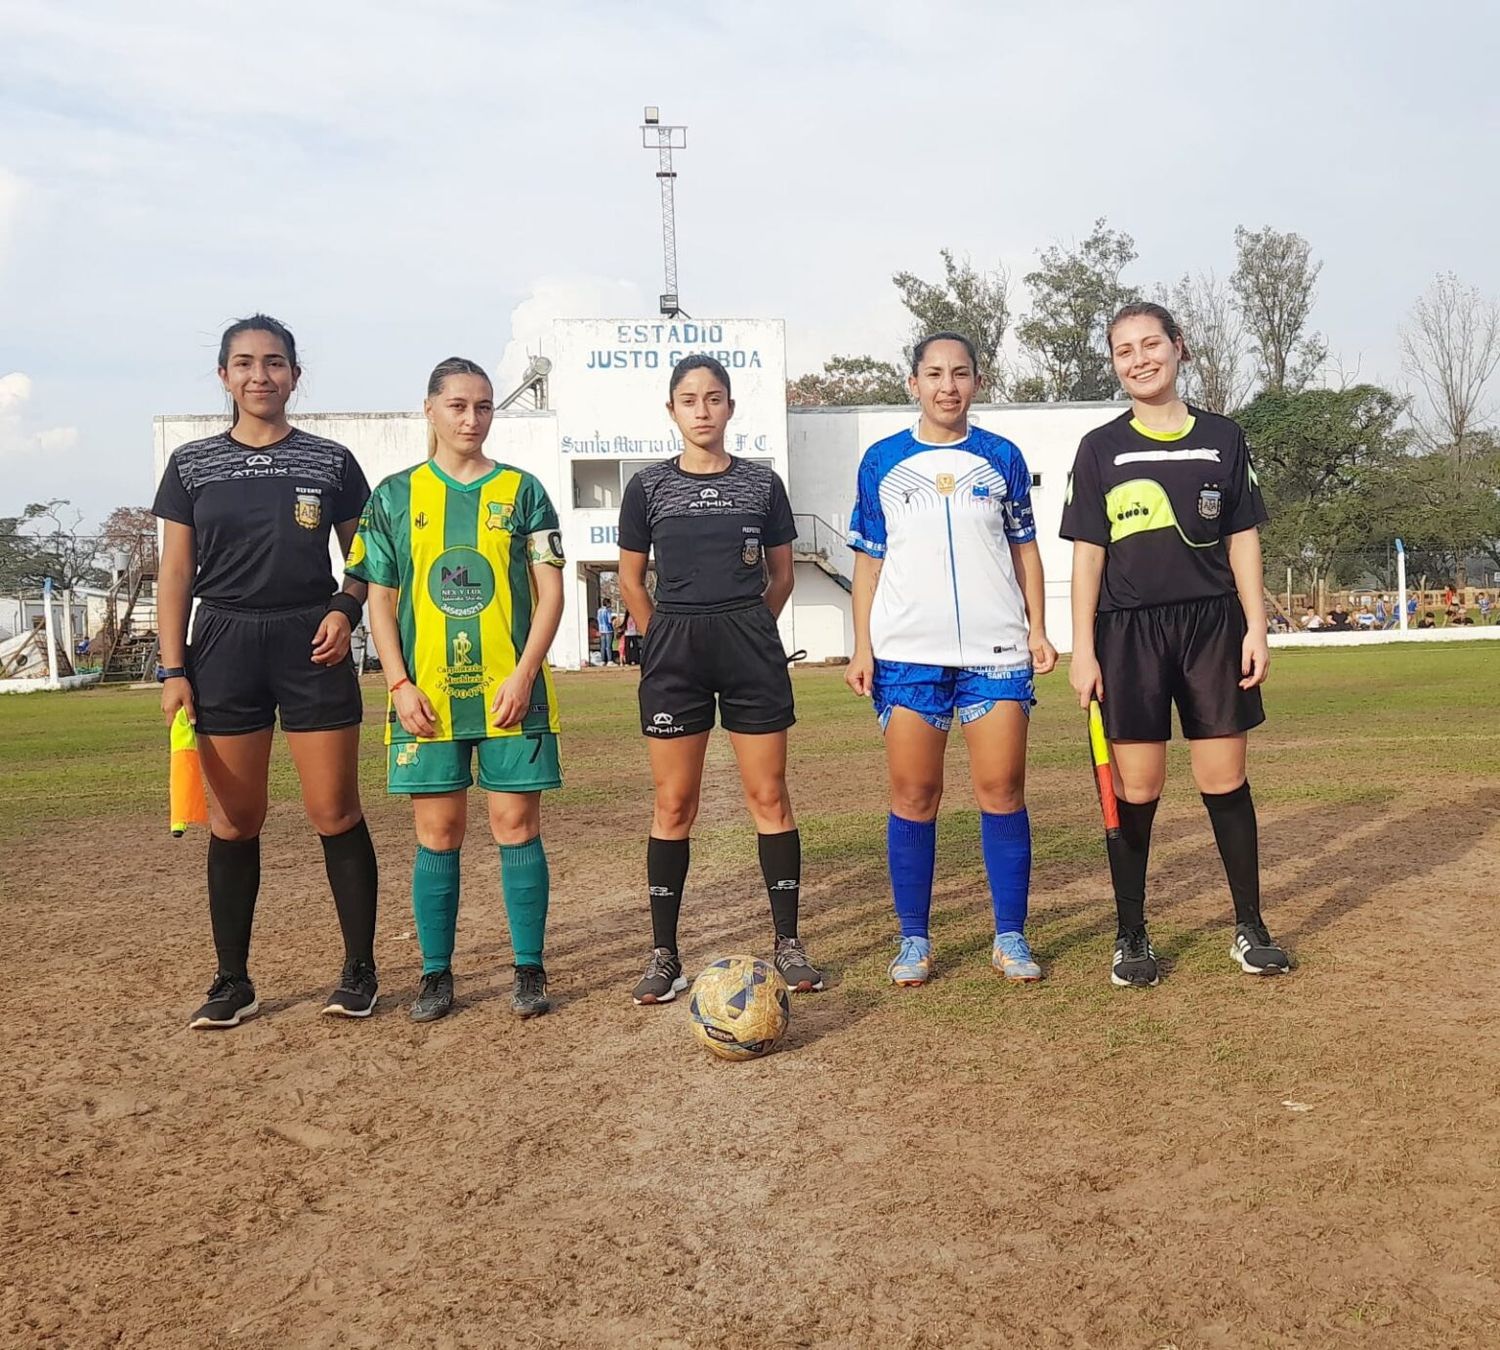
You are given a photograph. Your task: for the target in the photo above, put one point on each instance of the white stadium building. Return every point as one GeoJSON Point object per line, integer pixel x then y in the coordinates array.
{"type": "Point", "coordinates": [604, 418]}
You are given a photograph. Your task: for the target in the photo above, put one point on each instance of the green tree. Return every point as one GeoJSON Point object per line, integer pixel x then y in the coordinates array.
{"type": "Point", "coordinates": [848, 381]}
{"type": "Point", "coordinates": [1273, 281]}
{"type": "Point", "coordinates": [1074, 294]}
{"type": "Point", "coordinates": [967, 301]}
{"type": "Point", "coordinates": [44, 541]}
{"type": "Point", "coordinates": [1446, 511]}
{"type": "Point", "coordinates": [1329, 462]}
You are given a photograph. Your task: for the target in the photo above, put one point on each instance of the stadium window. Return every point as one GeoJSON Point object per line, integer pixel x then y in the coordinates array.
{"type": "Point", "coordinates": [596, 484]}
{"type": "Point", "coordinates": [1036, 480]}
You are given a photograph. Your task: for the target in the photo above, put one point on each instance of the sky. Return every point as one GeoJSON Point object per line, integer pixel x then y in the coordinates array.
{"type": "Point", "coordinates": [401, 183]}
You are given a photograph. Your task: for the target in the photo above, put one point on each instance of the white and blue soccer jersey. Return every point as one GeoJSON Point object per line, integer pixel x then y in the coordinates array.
{"type": "Point", "coordinates": [941, 519]}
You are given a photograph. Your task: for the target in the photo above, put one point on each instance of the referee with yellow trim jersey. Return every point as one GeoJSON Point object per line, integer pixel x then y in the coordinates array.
{"type": "Point", "coordinates": [1169, 607]}
{"type": "Point", "coordinates": [464, 559]}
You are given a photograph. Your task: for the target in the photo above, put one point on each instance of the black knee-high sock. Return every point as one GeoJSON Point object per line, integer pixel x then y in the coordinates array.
{"type": "Point", "coordinates": [353, 876]}
{"type": "Point", "coordinates": [666, 875]}
{"type": "Point", "coordinates": [781, 865]}
{"type": "Point", "coordinates": [1128, 856]}
{"type": "Point", "coordinates": [233, 884]}
{"type": "Point", "coordinates": [1238, 837]}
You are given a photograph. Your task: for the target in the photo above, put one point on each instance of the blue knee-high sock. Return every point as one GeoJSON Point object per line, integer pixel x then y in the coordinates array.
{"type": "Point", "coordinates": [434, 903]}
{"type": "Point", "coordinates": [1006, 841]}
{"type": "Point", "coordinates": [911, 846]}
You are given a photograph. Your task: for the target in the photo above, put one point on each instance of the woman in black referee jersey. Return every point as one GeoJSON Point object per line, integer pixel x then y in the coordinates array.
{"type": "Point", "coordinates": [721, 530]}
{"type": "Point", "coordinates": [1163, 508]}
{"type": "Point", "coordinates": [247, 515]}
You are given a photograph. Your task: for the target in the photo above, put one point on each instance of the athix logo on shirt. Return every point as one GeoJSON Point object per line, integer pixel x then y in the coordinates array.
{"type": "Point", "coordinates": [709, 494]}
{"type": "Point", "coordinates": [257, 461]}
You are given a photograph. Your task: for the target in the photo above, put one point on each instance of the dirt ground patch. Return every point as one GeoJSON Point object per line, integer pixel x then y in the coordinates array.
{"type": "Point", "coordinates": [1312, 1161]}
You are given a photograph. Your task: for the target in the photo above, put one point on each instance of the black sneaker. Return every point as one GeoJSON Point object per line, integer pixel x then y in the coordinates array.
{"type": "Point", "coordinates": [434, 997]}
{"type": "Point", "coordinates": [1256, 952]}
{"type": "Point", "coordinates": [529, 996]}
{"type": "Point", "coordinates": [1135, 961]}
{"type": "Point", "coordinates": [801, 976]}
{"type": "Point", "coordinates": [231, 999]}
{"type": "Point", "coordinates": [356, 994]}
{"type": "Point", "coordinates": [663, 979]}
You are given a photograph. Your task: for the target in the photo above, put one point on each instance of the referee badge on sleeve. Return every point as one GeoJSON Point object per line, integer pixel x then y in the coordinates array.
{"type": "Point", "coordinates": [1208, 503]}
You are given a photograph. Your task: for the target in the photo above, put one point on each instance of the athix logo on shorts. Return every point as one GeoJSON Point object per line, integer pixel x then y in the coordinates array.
{"type": "Point", "coordinates": [461, 583]}
{"type": "Point", "coordinates": [662, 719]}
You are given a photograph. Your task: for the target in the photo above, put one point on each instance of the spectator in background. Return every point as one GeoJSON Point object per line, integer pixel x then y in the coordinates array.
{"type": "Point", "coordinates": [1365, 619]}
{"type": "Point", "coordinates": [1411, 609]}
{"type": "Point", "coordinates": [1483, 601]}
{"type": "Point", "coordinates": [606, 621]}
{"type": "Point", "coordinates": [1382, 613]}
{"type": "Point", "coordinates": [632, 641]}
{"type": "Point", "coordinates": [1311, 621]}
{"type": "Point", "coordinates": [1463, 618]}
{"type": "Point", "coordinates": [1338, 619]}
{"type": "Point", "coordinates": [1429, 620]}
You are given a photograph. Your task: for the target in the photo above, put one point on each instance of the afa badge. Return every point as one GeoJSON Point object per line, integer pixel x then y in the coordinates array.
{"type": "Point", "coordinates": [308, 511]}
{"type": "Point", "coordinates": [1208, 503]}
{"type": "Point", "coordinates": [750, 552]}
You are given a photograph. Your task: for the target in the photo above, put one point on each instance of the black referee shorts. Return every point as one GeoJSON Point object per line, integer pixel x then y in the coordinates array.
{"type": "Point", "coordinates": [245, 664]}
{"type": "Point", "coordinates": [734, 656]}
{"type": "Point", "coordinates": [1188, 654]}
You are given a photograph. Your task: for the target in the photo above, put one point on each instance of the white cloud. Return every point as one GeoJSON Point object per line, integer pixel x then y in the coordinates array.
{"type": "Point", "coordinates": [15, 389]}
{"type": "Point", "coordinates": [578, 297]}
{"type": "Point", "coordinates": [16, 438]}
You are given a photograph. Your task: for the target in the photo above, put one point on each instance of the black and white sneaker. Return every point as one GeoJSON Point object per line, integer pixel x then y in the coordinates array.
{"type": "Point", "coordinates": [231, 999]}
{"type": "Point", "coordinates": [1135, 961]}
{"type": "Point", "coordinates": [1256, 952]}
{"type": "Point", "coordinates": [356, 993]}
{"type": "Point", "coordinates": [529, 998]}
{"type": "Point", "coordinates": [434, 997]}
{"type": "Point", "coordinates": [663, 979]}
{"type": "Point", "coordinates": [801, 976]}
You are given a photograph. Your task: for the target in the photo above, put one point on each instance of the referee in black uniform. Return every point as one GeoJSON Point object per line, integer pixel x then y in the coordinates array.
{"type": "Point", "coordinates": [721, 529]}
{"type": "Point", "coordinates": [247, 515]}
{"type": "Point", "coordinates": [1169, 607]}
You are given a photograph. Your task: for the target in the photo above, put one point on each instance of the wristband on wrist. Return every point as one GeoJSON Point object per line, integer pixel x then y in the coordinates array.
{"type": "Point", "coordinates": [405, 679]}
{"type": "Point", "coordinates": [345, 604]}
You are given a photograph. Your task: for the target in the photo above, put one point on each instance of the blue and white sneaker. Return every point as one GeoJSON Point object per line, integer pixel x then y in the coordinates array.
{"type": "Point", "coordinates": [913, 963]}
{"type": "Point", "coordinates": [1011, 956]}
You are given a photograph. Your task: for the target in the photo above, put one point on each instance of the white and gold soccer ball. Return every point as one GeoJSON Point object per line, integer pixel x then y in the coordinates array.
{"type": "Point", "coordinates": [740, 1007]}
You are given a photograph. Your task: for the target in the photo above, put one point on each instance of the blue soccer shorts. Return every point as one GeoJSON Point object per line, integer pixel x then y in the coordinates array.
{"type": "Point", "coordinates": [936, 693]}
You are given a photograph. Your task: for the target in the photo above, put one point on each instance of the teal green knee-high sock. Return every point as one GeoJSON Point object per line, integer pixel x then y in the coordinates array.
{"type": "Point", "coordinates": [434, 902]}
{"type": "Point", "coordinates": [524, 878]}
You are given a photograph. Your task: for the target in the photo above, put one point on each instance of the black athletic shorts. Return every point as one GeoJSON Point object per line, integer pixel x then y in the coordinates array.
{"type": "Point", "coordinates": [687, 660]}
{"type": "Point", "coordinates": [1188, 654]}
{"type": "Point", "coordinates": [245, 664]}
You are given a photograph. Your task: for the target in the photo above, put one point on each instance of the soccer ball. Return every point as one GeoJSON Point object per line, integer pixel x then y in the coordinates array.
{"type": "Point", "coordinates": [740, 1008]}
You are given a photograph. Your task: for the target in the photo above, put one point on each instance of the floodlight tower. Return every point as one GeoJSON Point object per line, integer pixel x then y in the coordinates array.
{"type": "Point", "coordinates": [664, 140]}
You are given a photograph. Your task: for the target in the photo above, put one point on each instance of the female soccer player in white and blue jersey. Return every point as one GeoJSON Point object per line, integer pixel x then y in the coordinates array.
{"type": "Point", "coordinates": [949, 620]}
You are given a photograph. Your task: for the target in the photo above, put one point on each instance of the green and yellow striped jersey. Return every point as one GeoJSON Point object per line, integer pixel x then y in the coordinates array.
{"type": "Point", "coordinates": [460, 557]}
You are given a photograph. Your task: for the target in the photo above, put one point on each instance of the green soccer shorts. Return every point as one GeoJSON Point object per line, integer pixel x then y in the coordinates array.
{"type": "Point", "coordinates": [527, 763]}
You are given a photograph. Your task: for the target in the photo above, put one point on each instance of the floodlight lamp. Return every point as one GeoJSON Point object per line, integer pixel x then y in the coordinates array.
{"type": "Point", "coordinates": [653, 115]}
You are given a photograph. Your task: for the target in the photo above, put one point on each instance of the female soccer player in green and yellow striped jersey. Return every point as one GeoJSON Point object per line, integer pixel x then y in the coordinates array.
{"type": "Point", "coordinates": [464, 559]}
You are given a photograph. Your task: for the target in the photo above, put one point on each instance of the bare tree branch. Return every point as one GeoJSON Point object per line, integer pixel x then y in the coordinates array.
{"type": "Point", "coordinates": [1450, 345]}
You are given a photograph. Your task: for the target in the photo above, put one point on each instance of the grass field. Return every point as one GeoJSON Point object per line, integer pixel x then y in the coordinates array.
{"type": "Point", "coordinates": [1220, 1161]}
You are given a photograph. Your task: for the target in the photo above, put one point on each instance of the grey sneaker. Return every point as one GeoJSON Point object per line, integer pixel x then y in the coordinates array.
{"type": "Point", "coordinates": [357, 991]}
{"type": "Point", "coordinates": [1256, 952]}
{"type": "Point", "coordinates": [1135, 961]}
{"type": "Point", "coordinates": [529, 998]}
{"type": "Point", "coordinates": [434, 997]}
{"type": "Point", "coordinates": [801, 976]}
{"type": "Point", "coordinates": [663, 979]}
{"type": "Point", "coordinates": [231, 999]}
